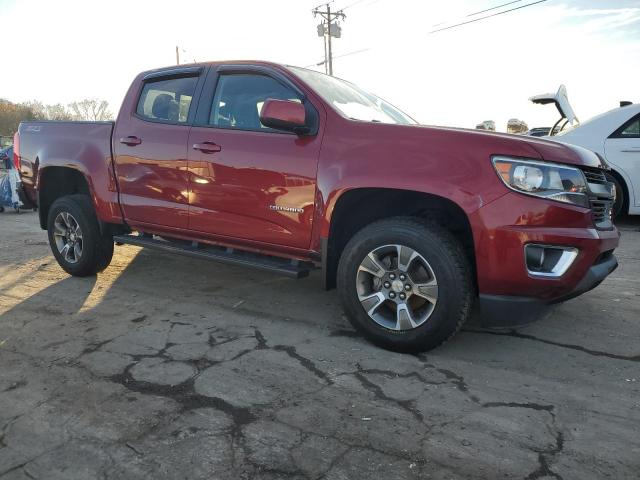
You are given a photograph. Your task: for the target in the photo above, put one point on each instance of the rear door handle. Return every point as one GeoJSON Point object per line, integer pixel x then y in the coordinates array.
{"type": "Point", "coordinates": [207, 147]}
{"type": "Point", "coordinates": [131, 140]}
{"type": "Point", "coordinates": [632, 150]}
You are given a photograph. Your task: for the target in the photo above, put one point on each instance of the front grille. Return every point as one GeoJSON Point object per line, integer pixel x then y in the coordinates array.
{"type": "Point", "coordinates": [595, 177]}
{"type": "Point", "coordinates": [600, 197]}
{"type": "Point", "coordinates": [601, 211]}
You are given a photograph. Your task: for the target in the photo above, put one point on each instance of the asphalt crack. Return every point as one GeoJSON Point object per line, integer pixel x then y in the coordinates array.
{"type": "Point", "coordinates": [544, 470]}
{"type": "Point", "coordinates": [305, 362]}
{"type": "Point", "coordinates": [15, 385]}
{"type": "Point", "coordinates": [459, 382]}
{"type": "Point", "coordinates": [533, 406]}
{"type": "Point", "coordinates": [546, 455]}
{"type": "Point", "coordinates": [406, 405]}
{"type": "Point", "coordinates": [579, 348]}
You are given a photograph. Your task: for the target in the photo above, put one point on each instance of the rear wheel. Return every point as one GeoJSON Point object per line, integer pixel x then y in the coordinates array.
{"type": "Point", "coordinates": [75, 237]}
{"type": "Point", "coordinates": [405, 284]}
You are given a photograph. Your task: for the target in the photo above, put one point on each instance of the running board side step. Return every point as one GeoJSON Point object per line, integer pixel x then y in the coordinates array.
{"type": "Point", "coordinates": [288, 268]}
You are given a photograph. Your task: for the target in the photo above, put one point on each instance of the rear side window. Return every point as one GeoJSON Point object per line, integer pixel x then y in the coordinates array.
{"type": "Point", "coordinates": [167, 100]}
{"type": "Point", "coordinates": [239, 98]}
{"type": "Point", "coordinates": [631, 129]}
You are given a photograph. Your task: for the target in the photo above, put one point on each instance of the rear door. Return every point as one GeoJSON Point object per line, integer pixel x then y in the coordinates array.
{"type": "Point", "coordinates": [247, 181]}
{"type": "Point", "coordinates": [622, 149]}
{"type": "Point", "coordinates": [150, 148]}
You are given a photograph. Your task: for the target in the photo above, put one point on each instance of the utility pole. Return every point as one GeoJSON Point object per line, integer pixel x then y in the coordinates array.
{"type": "Point", "coordinates": [177, 56]}
{"type": "Point", "coordinates": [327, 29]}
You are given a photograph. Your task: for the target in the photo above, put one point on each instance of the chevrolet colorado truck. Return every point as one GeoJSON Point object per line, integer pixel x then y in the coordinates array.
{"type": "Point", "coordinates": [289, 170]}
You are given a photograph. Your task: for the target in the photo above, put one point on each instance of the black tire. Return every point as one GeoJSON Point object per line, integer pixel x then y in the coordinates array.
{"type": "Point", "coordinates": [449, 263]}
{"type": "Point", "coordinates": [620, 206]}
{"type": "Point", "coordinates": [97, 249]}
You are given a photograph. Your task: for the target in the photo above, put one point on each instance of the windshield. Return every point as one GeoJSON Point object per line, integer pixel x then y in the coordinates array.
{"type": "Point", "coordinates": [351, 101]}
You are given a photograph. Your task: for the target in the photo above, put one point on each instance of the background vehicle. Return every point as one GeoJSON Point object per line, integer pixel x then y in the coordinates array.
{"type": "Point", "coordinates": [516, 126]}
{"type": "Point", "coordinates": [615, 136]}
{"type": "Point", "coordinates": [541, 131]}
{"type": "Point", "coordinates": [6, 158]}
{"type": "Point", "coordinates": [21, 197]}
{"type": "Point", "coordinates": [9, 181]}
{"type": "Point", "coordinates": [285, 169]}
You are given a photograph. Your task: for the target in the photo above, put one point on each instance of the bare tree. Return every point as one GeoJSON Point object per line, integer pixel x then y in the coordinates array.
{"type": "Point", "coordinates": [90, 109]}
{"type": "Point", "coordinates": [11, 114]}
{"type": "Point", "coordinates": [49, 112]}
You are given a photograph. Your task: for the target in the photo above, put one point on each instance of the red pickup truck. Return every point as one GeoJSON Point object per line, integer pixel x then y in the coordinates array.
{"type": "Point", "coordinates": [287, 170]}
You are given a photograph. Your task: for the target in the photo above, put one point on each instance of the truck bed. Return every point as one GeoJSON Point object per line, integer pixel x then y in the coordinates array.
{"type": "Point", "coordinates": [56, 142]}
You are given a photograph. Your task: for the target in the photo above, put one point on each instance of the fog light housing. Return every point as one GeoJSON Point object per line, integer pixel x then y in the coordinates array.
{"type": "Point", "coordinates": [548, 260]}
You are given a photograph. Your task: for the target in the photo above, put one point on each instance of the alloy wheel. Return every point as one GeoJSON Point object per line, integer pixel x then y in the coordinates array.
{"type": "Point", "coordinates": [67, 235]}
{"type": "Point", "coordinates": [397, 287]}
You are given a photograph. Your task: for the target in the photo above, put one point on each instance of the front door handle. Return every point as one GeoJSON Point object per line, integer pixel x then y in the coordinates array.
{"type": "Point", "coordinates": [131, 140]}
{"type": "Point", "coordinates": [207, 147]}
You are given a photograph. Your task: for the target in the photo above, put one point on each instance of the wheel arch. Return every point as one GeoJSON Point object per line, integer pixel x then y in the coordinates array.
{"type": "Point", "coordinates": [356, 208]}
{"type": "Point", "coordinates": [626, 190]}
{"type": "Point", "coordinates": [55, 182]}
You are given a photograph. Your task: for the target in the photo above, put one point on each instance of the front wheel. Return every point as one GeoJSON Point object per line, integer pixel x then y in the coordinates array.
{"type": "Point", "coordinates": [620, 203]}
{"type": "Point", "coordinates": [405, 284]}
{"type": "Point", "coordinates": [75, 238]}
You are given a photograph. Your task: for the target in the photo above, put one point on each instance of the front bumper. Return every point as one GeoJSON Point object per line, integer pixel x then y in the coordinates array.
{"type": "Point", "coordinates": [508, 294]}
{"type": "Point", "coordinates": [506, 310]}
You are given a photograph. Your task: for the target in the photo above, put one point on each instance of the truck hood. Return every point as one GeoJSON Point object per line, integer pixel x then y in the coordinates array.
{"type": "Point", "coordinates": [521, 145]}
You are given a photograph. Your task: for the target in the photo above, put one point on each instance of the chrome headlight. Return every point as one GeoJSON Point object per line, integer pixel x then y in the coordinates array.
{"type": "Point", "coordinates": [542, 179]}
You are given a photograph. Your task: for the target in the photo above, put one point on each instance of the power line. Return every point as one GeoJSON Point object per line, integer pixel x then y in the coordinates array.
{"type": "Point", "coordinates": [322, 62]}
{"type": "Point", "coordinates": [481, 11]}
{"type": "Point", "coordinates": [487, 16]}
{"type": "Point", "coordinates": [493, 8]}
{"type": "Point", "coordinates": [352, 4]}
{"type": "Point", "coordinates": [359, 2]}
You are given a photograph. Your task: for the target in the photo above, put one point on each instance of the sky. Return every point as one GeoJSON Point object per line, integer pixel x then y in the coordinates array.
{"type": "Point", "coordinates": [66, 50]}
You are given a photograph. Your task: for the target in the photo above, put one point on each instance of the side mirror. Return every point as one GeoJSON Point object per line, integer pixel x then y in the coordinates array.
{"type": "Point", "coordinates": [284, 115]}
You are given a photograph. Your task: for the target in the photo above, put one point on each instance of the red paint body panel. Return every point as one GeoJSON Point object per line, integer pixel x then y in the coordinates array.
{"type": "Point", "coordinates": [502, 228]}
{"type": "Point", "coordinates": [82, 146]}
{"type": "Point", "coordinates": [276, 193]}
{"type": "Point", "coordinates": [152, 176]}
{"type": "Point", "coordinates": [233, 192]}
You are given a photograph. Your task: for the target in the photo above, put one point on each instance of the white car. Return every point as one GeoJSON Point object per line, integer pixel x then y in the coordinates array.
{"type": "Point", "coordinates": [615, 136]}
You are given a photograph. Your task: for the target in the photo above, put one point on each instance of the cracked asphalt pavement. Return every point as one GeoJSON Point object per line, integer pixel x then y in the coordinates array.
{"type": "Point", "coordinates": [166, 367]}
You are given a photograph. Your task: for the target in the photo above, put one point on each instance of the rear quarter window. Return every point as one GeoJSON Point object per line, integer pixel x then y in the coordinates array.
{"type": "Point", "coordinates": [631, 129]}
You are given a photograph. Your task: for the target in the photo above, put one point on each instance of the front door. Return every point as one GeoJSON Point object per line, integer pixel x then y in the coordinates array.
{"type": "Point", "coordinates": [150, 151]}
{"type": "Point", "coordinates": [622, 150]}
{"type": "Point", "coordinates": [247, 181]}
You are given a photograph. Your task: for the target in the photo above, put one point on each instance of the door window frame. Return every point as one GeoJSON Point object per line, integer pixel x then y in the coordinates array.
{"type": "Point", "coordinates": [211, 84]}
{"type": "Point", "coordinates": [173, 73]}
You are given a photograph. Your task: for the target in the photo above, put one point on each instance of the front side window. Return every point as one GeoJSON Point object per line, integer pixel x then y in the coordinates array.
{"type": "Point", "coordinates": [167, 100]}
{"type": "Point", "coordinates": [239, 98]}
